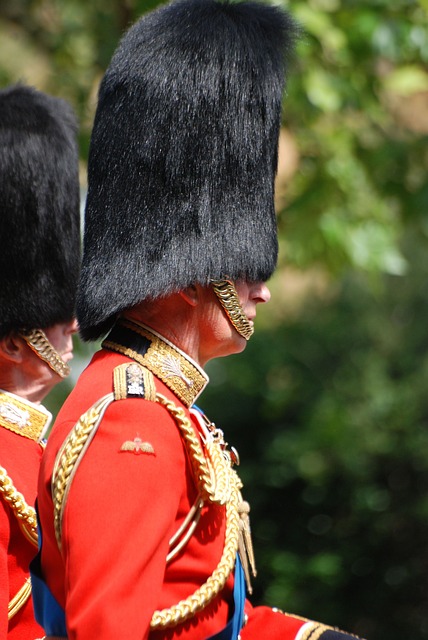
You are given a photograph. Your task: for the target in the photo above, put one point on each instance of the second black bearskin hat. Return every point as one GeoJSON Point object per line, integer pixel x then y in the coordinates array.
{"type": "Point", "coordinates": [39, 210]}
{"type": "Point", "coordinates": [183, 155]}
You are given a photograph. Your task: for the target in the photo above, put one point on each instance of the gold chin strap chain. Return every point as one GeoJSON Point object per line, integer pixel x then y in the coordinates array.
{"type": "Point", "coordinates": [27, 520]}
{"type": "Point", "coordinates": [39, 343]}
{"type": "Point", "coordinates": [229, 300]}
{"type": "Point", "coordinates": [216, 481]}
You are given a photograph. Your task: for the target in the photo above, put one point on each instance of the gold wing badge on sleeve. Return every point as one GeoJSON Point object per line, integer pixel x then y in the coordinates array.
{"type": "Point", "coordinates": [137, 446]}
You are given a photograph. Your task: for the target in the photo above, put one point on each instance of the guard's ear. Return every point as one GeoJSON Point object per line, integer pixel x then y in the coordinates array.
{"type": "Point", "coordinates": [12, 348]}
{"type": "Point", "coordinates": [190, 295]}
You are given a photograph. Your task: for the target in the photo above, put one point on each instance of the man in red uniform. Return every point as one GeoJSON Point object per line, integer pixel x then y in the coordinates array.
{"type": "Point", "coordinates": [145, 533]}
{"type": "Point", "coordinates": [39, 262]}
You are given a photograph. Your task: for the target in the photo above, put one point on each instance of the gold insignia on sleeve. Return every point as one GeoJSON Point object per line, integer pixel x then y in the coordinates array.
{"type": "Point", "coordinates": [137, 446]}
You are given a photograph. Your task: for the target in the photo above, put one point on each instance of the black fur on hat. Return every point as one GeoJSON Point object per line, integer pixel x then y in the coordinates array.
{"type": "Point", "coordinates": [183, 156]}
{"type": "Point", "coordinates": [39, 210]}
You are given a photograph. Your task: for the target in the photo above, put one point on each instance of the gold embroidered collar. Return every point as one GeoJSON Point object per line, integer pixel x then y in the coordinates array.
{"type": "Point", "coordinates": [180, 373]}
{"type": "Point", "coordinates": [23, 417]}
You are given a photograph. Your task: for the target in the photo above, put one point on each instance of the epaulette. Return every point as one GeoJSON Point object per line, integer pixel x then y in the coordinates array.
{"type": "Point", "coordinates": [23, 417]}
{"type": "Point", "coordinates": [132, 380]}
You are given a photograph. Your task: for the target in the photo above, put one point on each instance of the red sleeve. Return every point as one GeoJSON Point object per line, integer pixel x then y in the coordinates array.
{"type": "Point", "coordinates": [264, 622]}
{"type": "Point", "coordinates": [119, 517]}
{"type": "Point", "coordinates": [279, 625]}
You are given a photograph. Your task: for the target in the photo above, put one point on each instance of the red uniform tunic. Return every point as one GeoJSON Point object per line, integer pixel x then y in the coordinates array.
{"type": "Point", "coordinates": [130, 493]}
{"type": "Point", "coordinates": [20, 453]}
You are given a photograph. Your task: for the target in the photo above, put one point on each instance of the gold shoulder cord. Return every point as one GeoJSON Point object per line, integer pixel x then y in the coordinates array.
{"type": "Point", "coordinates": [216, 480]}
{"type": "Point", "coordinates": [27, 520]}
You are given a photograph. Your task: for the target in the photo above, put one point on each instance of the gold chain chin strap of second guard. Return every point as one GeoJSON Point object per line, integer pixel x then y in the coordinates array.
{"type": "Point", "coordinates": [39, 343]}
{"type": "Point", "coordinates": [216, 483]}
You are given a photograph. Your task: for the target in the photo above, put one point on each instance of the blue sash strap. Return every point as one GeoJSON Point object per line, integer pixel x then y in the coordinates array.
{"type": "Point", "coordinates": [47, 611]}
{"type": "Point", "coordinates": [232, 629]}
{"type": "Point", "coordinates": [50, 615]}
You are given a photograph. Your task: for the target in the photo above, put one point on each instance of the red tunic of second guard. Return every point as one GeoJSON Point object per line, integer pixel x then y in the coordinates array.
{"type": "Point", "coordinates": [20, 458]}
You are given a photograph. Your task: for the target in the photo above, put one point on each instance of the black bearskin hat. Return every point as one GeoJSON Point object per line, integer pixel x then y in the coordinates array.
{"type": "Point", "coordinates": [39, 210]}
{"type": "Point", "coordinates": [183, 155]}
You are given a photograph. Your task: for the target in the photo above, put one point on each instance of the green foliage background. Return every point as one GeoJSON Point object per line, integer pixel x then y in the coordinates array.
{"type": "Point", "coordinates": [328, 405]}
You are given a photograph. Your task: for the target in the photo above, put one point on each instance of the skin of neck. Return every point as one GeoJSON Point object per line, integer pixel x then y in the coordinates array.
{"type": "Point", "coordinates": [174, 318]}
{"type": "Point", "coordinates": [193, 320]}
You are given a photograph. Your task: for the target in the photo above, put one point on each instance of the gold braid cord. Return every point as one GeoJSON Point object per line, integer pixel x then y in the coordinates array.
{"type": "Point", "coordinates": [19, 600]}
{"type": "Point", "coordinates": [187, 608]}
{"type": "Point", "coordinates": [27, 520]}
{"type": "Point", "coordinates": [216, 481]}
{"type": "Point", "coordinates": [25, 514]}
{"type": "Point", "coordinates": [69, 454]}
{"type": "Point", "coordinates": [211, 469]}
